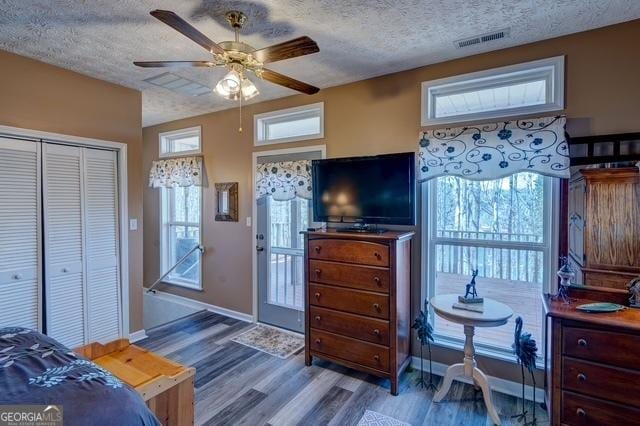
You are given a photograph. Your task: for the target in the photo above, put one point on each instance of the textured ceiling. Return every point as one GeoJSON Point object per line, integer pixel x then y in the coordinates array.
{"type": "Point", "coordinates": [358, 39]}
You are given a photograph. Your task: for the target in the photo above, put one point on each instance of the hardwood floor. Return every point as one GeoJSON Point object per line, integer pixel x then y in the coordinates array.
{"type": "Point", "coordinates": [238, 385]}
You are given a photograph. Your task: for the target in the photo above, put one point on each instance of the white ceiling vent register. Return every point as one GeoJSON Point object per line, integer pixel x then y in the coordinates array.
{"type": "Point", "coordinates": [483, 38]}
{"type": "Point", "coordinates": [178, 84]}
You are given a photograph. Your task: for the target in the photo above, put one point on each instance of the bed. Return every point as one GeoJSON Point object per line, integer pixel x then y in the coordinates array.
{"type": "Point", "coordinates": [35, 369]}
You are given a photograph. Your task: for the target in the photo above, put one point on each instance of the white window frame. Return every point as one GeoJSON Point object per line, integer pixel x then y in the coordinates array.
{"type": "Point", "coordinates": [551, 69]}
{"type": "Point", "coordinates": [165, 138]}
{"type": "Point", "coordinates": [549, 248]}
{"type": "Point", "coordinates": [261, 123]}
{"type": "Point", "coordinates": [165, 239]}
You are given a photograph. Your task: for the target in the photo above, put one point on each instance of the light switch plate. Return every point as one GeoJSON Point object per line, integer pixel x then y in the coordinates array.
{"type": "Point", "coordinates": [249, 221]}
{"type": "Point", "coordinates": [133, 224]}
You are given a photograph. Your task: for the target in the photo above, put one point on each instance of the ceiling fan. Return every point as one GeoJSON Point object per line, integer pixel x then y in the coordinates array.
{"type": "Point", "coordinates": [240, 58]}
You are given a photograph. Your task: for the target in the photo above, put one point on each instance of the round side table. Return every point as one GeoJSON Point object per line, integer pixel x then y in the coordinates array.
{"type": "Point", "coordinates": [495, 314]}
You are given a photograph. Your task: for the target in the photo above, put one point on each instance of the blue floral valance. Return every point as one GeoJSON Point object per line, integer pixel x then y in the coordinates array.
{"type": "Point", "coordinates": [176, 172]}
{"type": "Point", "coordinates": [284, 180]}
{"type": "Point", "coordinates": [495, 150]}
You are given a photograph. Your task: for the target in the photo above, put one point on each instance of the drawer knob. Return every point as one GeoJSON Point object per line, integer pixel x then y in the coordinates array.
{"type": "Point", "coordinates": [17, 276]}
{"type": "Point", "coordinates": [376, 357]}
{"type": "Point", "coordinates": [318, 271]}
{"type": "Point", "coordinates": [318, 341]}
{"type": "Point", "coordinates": [318, 318]}
{"type": "Point", "coordinates": [65, 270]}
{"type": "Point", "coordinates": [376, 280]}
{"type": "Point", "coordinates": [581, 412]}
{"type": "Point", "coordinates": [582, 342]}
{"type": "Point", "coordinates": [317, 295]}
{"type": "Point", "coordinates": [317, 249]}
{"type": "Point", "coordinates": [376, 332]}
{"type": "Point", "coordinates": [376, 306]}
{"type": "Point", "coordinates": [582, 377]}
{"type": "Point", "coordinates": [377, 255]}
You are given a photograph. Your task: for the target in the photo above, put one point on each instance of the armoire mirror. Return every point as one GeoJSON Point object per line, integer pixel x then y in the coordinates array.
{"type": "Point", "coordinates": [602, 215]}
{"type": "Point", "coordinates": [227, 202]}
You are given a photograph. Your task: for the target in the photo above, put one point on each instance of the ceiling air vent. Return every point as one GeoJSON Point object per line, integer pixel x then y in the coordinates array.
{"type": "Point", "coordinates": [179, 84]}
{"type": "Point", "coordinates": [483, 38]}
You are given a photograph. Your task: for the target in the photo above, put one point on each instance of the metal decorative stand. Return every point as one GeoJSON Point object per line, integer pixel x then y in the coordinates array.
{"type": "Point", "coordinates": [423, 327]}
{"type": "Point", "coordinates": [566, 274]}
{"type": "Point", "coordinates": [525, 349]}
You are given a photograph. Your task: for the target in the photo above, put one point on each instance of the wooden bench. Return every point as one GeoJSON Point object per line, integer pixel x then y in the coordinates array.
{"type": "Point", "coordinates": [166, 387]}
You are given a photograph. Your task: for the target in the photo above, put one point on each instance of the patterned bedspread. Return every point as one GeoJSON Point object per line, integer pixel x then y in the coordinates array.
{"type": "Point", "coordinates": [35, 369]}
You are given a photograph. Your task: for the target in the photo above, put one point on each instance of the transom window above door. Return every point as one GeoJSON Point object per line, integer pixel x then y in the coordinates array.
{"type": "Point", "coordinates": [527, 88]}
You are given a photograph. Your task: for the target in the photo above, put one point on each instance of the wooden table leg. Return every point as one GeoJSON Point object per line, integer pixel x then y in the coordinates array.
{"type": "Point", "coordinates": [454, 371]}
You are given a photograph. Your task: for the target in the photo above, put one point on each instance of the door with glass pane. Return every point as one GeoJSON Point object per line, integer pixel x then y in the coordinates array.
{"type": "Point", "coordinates": [281, 217]}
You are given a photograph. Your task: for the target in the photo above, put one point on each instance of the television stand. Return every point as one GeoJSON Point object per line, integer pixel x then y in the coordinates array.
{"type": "Point", "coordinates": [362, 229]}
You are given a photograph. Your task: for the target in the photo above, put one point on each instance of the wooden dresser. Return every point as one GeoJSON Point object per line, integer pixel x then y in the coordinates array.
{"type": "Point", "coordinates": [604, 226]}
{"type": "Point", "coordinates": [358, 300]}
{"type": "Point", "coordinates": [593, 368]}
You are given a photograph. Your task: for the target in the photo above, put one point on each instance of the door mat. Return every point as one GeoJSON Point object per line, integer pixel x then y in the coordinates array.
{"type": "Point", "coordinates": [279, 343]}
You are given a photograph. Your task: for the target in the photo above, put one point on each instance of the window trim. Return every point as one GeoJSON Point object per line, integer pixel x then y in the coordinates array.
{"type": "Point", "coordinates": [173, 134]}
{"type": "Point", "coordinates": [550, 253]}
{"type": "Point", "coordinates": [164, 242]}
{"type": "Point", "coordinates": [261, 121]}
{"type": "Point", "coordinates": [552, 69]}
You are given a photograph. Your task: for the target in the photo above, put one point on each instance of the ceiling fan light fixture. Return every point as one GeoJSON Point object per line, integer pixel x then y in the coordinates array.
{"type": "Point", "coordinates": [229, 84]}
{"type": "Point", "coordinates": [249, 90]}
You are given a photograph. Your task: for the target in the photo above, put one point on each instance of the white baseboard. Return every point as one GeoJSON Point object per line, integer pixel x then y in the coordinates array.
{"type": "Point", "coordinates": [137, 335]}
{"type": "Point", "coordinates": [497, 384]}
{"type": "Point", "coordinates": [202, 305]}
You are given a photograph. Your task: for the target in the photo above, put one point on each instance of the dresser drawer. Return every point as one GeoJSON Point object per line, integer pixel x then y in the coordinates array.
{"type": "Point", "coordinates": [354, 301]}
{"type": "Point", "coordinates": [600, 381]}
{"type": "Point", "coordinates": [354, 276]}
{"type": "Point", "coordinates": [607, 347]}
{"type": "Point", "coordinates": [363, 252]}
{"type": "Point", "coordinates": [584, 410]}
{"type": "Point", "coordinates": [363, 353]}
{"type": "Point", "coordinates": [351, 325]}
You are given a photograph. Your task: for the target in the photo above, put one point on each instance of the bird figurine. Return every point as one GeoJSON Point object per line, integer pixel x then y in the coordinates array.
{"type": "Point", "coordinates": [423, 327]}
{"type": "Point", "coordinates": [525, 349]}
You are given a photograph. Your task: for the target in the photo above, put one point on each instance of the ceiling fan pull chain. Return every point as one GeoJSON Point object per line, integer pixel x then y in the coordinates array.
{"type": "Point", "coordinates": [240, 100]}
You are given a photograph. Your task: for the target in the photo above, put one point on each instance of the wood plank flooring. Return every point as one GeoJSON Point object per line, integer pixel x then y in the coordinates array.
{"type": "Point", "coordinates": [238, 385]}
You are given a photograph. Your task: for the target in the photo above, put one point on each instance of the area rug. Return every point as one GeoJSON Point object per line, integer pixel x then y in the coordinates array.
{"type": "Point", "coordinates": [281, 344]}
{"type": "Point", "coordinates": [372, 418]}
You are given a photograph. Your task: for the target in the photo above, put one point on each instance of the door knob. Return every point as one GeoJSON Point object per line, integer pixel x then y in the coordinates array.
{"type": "Point", "coordinates": [259, 248]}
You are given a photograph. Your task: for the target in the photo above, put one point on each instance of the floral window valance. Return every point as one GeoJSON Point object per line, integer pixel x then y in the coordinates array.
{"type": "Point", "coordinates": [284, 180]}
{"type": "Point", "coordinates": [173, 172]}
{"type": "Point", "coordinates": [491, 151]}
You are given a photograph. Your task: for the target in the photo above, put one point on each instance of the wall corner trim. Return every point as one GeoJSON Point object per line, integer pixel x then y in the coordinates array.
{"type": "Point", "coordinates": [503, 386]}
{"type": "Point", "coordinates": [137, 335]}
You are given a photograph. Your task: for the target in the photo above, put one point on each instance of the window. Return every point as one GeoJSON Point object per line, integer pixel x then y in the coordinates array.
{"type": "Point", "coordinates": [529, 88]}
{"type": "Point", "coordinates": [180, 142]}
{"type": "Point", "coordinates": [289, 125]}
{"type": "Point", "coordinates": [181, 211]}
{"type": "Point", "coordinates": [502, 228]}
{"type": "Point", "coordinates": [181, 220]}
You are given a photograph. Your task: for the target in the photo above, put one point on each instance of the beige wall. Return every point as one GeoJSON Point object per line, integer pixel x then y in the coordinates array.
{"type": "Point", "coordinates": [382, 115]}
{"type": "Point", "coordinates": [38, 96]}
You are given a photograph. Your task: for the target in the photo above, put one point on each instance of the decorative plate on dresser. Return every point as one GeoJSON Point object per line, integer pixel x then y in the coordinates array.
{"type": "Point", "coordinates": [358, 300]}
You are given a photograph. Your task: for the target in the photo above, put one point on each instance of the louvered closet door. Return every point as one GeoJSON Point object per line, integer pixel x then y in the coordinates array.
{"type": "Point", "coordinates": [63, 235]}
{"type": "Point", "coordinates": [101, 242]}
{"type": "Point", "coordinates": [19, 234]}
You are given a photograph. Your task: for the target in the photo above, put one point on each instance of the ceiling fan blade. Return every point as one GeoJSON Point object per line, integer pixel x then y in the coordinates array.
{"type": "Point", "coordinates": [289, 49]}
{"type": "Point", "coordinates": [186, 29]}
{"type": "Point", "coordinates": [289, 82]}
{"type": "Point", "coordinates": [173, 64]}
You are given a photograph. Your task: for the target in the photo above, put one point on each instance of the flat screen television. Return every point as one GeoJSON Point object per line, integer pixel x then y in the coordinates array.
{"type": "Point", "coordinates": [365, 190]}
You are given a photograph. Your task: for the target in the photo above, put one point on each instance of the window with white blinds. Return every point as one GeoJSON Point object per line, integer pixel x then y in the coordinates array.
{"type": "Point", "coordinates": [20, 279]}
